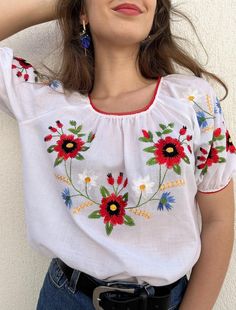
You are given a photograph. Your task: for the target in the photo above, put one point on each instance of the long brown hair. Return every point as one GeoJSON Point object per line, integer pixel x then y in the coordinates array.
{"type": "Point", "coordinates": [157, 56]}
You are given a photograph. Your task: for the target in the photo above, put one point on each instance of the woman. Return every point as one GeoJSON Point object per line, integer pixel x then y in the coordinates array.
{"type": "Point", "coordinates": [124, 153]}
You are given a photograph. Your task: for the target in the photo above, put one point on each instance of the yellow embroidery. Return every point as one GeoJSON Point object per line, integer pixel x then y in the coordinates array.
{"type": "Point", "coordinates": [175, 183]}
{"type": "Point", "coordinates": [145, 214]}
{"type": "Point", "coordinates": [209, 128]}
{"type": "Point", "coordinates": [63, 179]}
{"type": "Point", "coordinates": [209, 104]}
{"type": "Point", "coordinates": [82, 206]}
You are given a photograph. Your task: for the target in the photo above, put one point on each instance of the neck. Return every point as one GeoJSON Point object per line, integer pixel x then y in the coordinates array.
{"type": "Point", "coordinates": [116, 72]}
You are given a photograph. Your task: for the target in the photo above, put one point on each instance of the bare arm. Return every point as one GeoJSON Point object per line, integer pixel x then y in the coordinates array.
{"type": "Point", "coordinates": [217, 237]}
{"type": "Point", "coordinates": [17, 15]}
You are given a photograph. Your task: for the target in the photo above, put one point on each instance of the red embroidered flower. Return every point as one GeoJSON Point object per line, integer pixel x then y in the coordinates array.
{"type": "Point", "coordinates": [183, 130]}
{"type": "Point", "coordinates": [145, 134]}
{"type": "Point", "coordinates": [113, 209]}
{"type": "Point", "coordinates": [53, 129]}
{"type": "Point", "coordinates": [212, 158]}
{"type": "Point", "coordinates": [189, 148]}
{"type": "Point", "coordinates": [217, 132]}
{"type": "Point", "coordinates": [110, 179]}
{"type": "Point", "coordinates": [68, 146]}
{"type": "Point", "coordinates": [48, 138]}
{"type": "Point", "coordinates": [169, 151]}
{"type": "Point", "coordinates": [120, 178]}
{"type": "Point", "coordinates": [229, 143]}
{"type": "Point", "coordinates": [26, 76]}
{"type": "Point", "coordinates": [59, 124]}
{"type": "Point", "coordinates": [24, 64]}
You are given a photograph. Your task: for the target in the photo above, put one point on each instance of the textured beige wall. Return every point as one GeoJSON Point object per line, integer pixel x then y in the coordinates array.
{"type": "Point", "coordinates": [22, 269]}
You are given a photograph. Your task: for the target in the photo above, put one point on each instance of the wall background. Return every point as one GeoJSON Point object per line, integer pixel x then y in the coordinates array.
{"type": "Point", "coordinates": [23, 269]}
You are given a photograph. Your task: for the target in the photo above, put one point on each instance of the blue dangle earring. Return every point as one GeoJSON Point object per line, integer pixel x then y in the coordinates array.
{"type": "Point", "coordinates": [85, 39]}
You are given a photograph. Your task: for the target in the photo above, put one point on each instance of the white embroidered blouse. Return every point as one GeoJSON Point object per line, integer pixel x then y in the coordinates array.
{"type": "Point", "coordinates": [113, 194]}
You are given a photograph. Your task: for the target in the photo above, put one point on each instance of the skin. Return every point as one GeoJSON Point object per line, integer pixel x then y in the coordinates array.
{"type": "Point", "coordinates": [116, 39]}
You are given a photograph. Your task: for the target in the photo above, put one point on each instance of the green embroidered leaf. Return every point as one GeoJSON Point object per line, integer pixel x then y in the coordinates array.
{"type": "Point", "coordinates": [150, 149]}
{"type": "Point", "coordinates": [166, 131]}
{"type": "Point", "coordinates": [79, 128]}
{"type": "Point", "coordinates": [95, 215]}
{"type": "Point", "coordinates": [177, 169]}
{"type": "Point", "coordinates": [221, 137]}
{"type": "Point", "coordinates": [186, 159]}
{"type": "Point", "coordinates": [90, 137]}
{"type": "Point", "coordinates": [74, 131]}
{"type": "Point", "coordinates": [58, 161]}
{"type": "Point", "coordinates": [109, 228]}
{"type": "Point", "coordinates": [104, 192]}
{"type": "Point", "coordinates": [162, 126]}
{"type": "Point", "coordinates": [204, 170]}
{"type": "Point", "coordinates": [128, 221]}
{"type": "Point", "coordinates": [220, 148]}
{"type": "Point", "coordinates": [143, 139]}
{"type": "Point", "coordinates": [79, 157]}
{"type": "Point", "coordinates": [51, 148]}
{"type": "Point", "coordinates": [81, 134]}
{"type": "Point", "coordinates": [151, 161]}
{"type": "Point", "coordinates": [73, 123]}
{"type": "Point", "coordinates": [171, 125]}
{"type": "Point", "coordinates": [158, 133]}
{"type": "Point", "coordinates": [150, 134]}
{"type": "Point", "coordinates": [125, 196]}
{"type": "Point", "coordinates": [84, 148]}
{"type": "Point", "coordinates": [222, 160]}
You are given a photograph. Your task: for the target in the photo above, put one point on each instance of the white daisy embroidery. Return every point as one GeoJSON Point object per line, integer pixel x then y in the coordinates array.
{"type": "Point", "coordinates": [192, 95]}
{"type": "Point", "coordinates": [87, 178]}
{"type": "Point", "coordinates": [143, 185]}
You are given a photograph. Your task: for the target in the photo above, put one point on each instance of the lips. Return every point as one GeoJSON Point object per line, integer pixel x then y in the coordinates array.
{"type": "Point", "coordinates": [129, 6]}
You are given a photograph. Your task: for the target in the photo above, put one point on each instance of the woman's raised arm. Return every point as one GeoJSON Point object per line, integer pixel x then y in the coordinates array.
{"type": "Point", "coordinates": [17, 15]}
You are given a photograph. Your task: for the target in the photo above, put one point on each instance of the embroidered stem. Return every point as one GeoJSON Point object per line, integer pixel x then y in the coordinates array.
{"type": "Point", "coordinates": [203, 109]}
{"type": "Point", "coordinates": [77, 190]}
{"type": "Point", "coordinates": [150, 199]}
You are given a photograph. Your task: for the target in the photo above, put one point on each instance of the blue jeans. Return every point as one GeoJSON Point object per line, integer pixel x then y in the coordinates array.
{"type": "Point", "coordinates": [57, 293]}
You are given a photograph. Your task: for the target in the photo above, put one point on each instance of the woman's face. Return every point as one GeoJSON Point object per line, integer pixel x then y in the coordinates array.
{"type": "Point", "coordinates": [112, 28]}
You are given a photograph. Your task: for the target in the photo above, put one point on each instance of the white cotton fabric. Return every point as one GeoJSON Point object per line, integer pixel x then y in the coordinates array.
{"type": "Point", "coordinates": [157, 242]}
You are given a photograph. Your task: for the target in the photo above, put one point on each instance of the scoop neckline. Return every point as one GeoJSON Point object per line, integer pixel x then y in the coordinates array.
{"type": "Point", "coordinates": [137, 111]}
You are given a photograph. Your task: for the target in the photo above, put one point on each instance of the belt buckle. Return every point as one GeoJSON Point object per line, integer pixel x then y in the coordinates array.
{"type": "Point", "coordinates": [102, 289]}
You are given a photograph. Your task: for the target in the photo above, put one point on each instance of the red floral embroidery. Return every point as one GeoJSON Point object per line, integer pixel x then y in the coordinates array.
{"type": "Point", "coordinates": [113, 209]}
{"type": "Point", "coordinates": [23, 69]}
{"type": "Point", "coordinates": [229, 143]}
{"type": "Point", "coordinates": [68, 146]}
{"type": "Point", "coordinates": [213, 156]}
{"type": "Point", "coordinates": [169, 151]}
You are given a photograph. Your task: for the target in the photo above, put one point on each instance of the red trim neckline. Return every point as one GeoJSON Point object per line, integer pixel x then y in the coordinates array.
{"type": "Point", "coordinates": [129, 112]}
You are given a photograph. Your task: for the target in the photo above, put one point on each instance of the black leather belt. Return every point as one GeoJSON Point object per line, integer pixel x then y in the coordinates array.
{"type": "Point", "coordinates": [87, 284]}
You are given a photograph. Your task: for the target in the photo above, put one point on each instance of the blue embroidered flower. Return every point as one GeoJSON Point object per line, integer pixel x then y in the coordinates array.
{"type": "Point", "coordinates": [66, 197]}
{"type": "Point", "coordinates": [165, 201]}
{"type": "Point", "coordinates": [217, 107]}
{"type": "Point", "coordinates": [54, 84]}
{"type": "Point", "coordinates": [201, 119]}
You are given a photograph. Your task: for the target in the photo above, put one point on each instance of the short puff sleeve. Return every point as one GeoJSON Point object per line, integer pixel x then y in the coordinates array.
{"type": "Point", "coordinates": [215, 152]}
{"type": "Point", "coordinates": [13, 71]}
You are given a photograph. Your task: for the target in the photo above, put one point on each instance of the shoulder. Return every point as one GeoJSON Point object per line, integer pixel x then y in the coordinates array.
{"type": "Point", "coordinates": [187, 84]}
